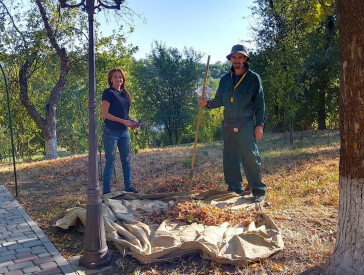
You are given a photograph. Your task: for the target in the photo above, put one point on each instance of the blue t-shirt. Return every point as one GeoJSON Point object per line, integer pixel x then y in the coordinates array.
{"type": "Point", "coordinates": [119, 107]}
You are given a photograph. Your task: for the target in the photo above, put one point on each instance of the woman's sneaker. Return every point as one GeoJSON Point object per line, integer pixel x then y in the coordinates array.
{"type": "Point", "coordinates": [132, 190]}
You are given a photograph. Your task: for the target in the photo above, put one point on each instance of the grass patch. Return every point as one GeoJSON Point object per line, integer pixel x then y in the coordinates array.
{"type": "Point", "coordinates": [302, 183]}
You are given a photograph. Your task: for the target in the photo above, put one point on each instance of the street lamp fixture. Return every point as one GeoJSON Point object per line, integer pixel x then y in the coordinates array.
{"type": "Point", "coordinates": [95, 251]}
{"type": "Point", "coordinates": [96, 5]}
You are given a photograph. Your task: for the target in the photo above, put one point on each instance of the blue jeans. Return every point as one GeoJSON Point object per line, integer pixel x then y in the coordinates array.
{"type": "Point", "coordinates": [112, 139]}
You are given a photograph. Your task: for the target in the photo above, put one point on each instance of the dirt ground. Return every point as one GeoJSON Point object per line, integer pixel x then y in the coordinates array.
{"type": "Point", "coordinates": [302, 196]}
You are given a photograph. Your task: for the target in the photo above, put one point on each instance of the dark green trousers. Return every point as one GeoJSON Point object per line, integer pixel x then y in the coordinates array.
{"type": "Point", "coordinates": [241, 149]}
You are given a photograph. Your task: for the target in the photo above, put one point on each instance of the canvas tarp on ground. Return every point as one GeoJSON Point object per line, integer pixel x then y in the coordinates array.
{"type": "Point", "coordinates": [226, 244]}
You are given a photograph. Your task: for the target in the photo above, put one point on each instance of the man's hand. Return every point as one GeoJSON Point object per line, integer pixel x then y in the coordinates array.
{"type": "Point", "coordinates": [258, 132]}
{"type": "Point", "coordinates": [202, 101]}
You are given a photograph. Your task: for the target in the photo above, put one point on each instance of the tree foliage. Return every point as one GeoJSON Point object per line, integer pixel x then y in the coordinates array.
{"type": "Point", "coordinates": [44, 53]}
{"type": "Point", "coordinates": [111, 52]}
{"type": "Point", "coordinates": [218, 69]}
{"type": "Point", "coordinates": [31, 46]}
{"type": "Point", "coordinates": [44, 47]}
{"type": "Point", "coordinates": [297, 58]}
{"type": "Point", "coordinates": [164, 85]}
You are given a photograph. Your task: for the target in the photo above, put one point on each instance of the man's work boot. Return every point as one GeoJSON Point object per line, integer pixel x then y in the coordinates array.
{"type": "Point", "coordinates": [247, 190]}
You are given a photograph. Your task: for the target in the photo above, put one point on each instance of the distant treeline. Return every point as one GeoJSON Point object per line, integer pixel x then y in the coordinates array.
{"type": "Point", "coordinates": [45, 60]}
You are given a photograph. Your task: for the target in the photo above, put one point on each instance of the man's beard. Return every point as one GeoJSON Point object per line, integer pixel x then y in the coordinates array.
{"type": "Point", "coordinates": [238, 65]}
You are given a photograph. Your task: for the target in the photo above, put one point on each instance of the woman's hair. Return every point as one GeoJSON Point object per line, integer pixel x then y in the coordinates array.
{"type": "Point", "coordinates": [109, 79]}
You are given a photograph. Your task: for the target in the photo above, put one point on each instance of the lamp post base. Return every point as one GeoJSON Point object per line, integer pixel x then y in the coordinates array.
{"type": "Point", "coordinates": [104, 261]}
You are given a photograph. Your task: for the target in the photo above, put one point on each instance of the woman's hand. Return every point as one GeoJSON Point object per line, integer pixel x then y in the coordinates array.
{"type": "Point", "coordinates": [127, 123]}
{"type": "Point", "coordinates": [136, 125]}
{"type": "Point", "coordinates": [131, 124]}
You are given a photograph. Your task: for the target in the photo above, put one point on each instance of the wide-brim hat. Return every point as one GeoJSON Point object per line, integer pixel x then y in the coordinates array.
{"type": "Point", "coordinates": [238, 49]}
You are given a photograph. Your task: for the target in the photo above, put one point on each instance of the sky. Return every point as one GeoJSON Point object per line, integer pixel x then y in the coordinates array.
{"type": "Point", "coordinates": [211, 27]}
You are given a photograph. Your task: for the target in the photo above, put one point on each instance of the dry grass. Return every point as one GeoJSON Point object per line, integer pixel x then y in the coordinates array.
{"type": "Point", "coordinates": [302, 185]}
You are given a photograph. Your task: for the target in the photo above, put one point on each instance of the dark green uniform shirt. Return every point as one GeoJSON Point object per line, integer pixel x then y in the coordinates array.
{"type": "Point", "coordinates": [246, 100]}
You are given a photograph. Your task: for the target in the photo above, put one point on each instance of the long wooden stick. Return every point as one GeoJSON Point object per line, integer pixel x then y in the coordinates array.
{"type": "Point", "coordinates": [199, 119]}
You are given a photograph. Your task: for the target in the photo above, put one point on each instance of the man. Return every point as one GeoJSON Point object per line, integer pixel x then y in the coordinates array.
{"type": "Point", "coordinates": [241, 93]}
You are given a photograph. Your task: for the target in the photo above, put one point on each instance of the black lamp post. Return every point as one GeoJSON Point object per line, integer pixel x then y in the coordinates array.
{"type": "Point", "coordinates": [95, 251]}
{"type": "Point", "coordinates": [11, 130]}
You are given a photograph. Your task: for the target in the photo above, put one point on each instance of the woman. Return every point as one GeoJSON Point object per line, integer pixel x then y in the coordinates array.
{"type": "Point", "coordinates": [115, 112]}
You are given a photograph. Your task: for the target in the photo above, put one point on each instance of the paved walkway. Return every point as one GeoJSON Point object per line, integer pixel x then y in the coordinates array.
{"type": "Point", "coordinates": [24, 249]}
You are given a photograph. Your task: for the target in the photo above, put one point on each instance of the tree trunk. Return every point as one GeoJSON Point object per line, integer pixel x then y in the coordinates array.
{"type": "Point", "coordinates": [51, 147]}
{"type": "Point", "coordinates": [170, 137]}
{"type": "Point", "coordinates": [50, 133]}
{"type": "Point", "coordinates": [176, 134]}
{"type": "Point", "coordinates": [47, 124]}
{"type": "Point", "coordinates": [321, 112]}
{"type": "Point", "coordinates": [291, 131]}
{"type": "Point", "coordinates": [348, 255]}
{"type": "Point", "coordinates": [325, 82]}
{"type": "Point", "coordinates": [169, 132]}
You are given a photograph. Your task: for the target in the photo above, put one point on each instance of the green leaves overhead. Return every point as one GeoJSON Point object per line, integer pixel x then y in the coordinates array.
{"type": "Point", "coordinates": [296, 54]}
{"type": "Point", "coordinates": [164, 85]}
{"type": "Point", "coordinates": [316, 11]}
{"type": "Point", "coordinates": [44, 48]}
{"type": "Point", "coordinates": [297, 58]}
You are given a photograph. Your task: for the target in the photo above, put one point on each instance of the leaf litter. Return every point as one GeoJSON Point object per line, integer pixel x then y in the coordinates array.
{"type": "Point", "coordinates": [302, 191]}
